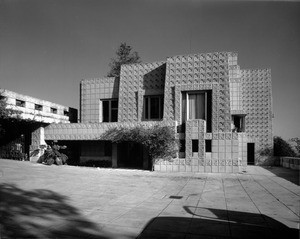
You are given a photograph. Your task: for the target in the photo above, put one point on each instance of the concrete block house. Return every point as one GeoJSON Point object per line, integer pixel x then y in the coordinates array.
{"type": "Point", "coordinates": [221, 114]}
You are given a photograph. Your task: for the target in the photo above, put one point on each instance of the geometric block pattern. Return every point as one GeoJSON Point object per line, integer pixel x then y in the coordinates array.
{"type": "Point", "coordinates": [91, 91]}
{"type": "Point", "coordinates": [191, 72]}
{"type": "Point", "coordinates": [136, 81]}
{"type": "Point", "coordinates": [257, 103]}
{"type": "Point", "coordinates": [92, 131]}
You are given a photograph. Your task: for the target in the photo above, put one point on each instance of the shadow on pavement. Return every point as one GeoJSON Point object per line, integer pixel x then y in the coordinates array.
{"type": "Point", "coordinates": [41, 214]}
{"type": "Point", "coordinates": [286, 173]}
{"type": "Point", "coordinates": [216, 223]}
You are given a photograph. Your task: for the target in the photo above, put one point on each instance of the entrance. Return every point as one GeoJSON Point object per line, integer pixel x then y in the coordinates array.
{"type": "Point", "coordinates": [130, 155]}
{"type": "Point", "coordinates": [250, 153]}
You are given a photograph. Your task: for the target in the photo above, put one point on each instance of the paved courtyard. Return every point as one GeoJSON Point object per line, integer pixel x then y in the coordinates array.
{"type": "Point", "coordinates": [39, 201]}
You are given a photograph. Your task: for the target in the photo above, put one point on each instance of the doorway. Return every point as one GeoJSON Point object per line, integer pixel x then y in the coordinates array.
{"type": "Point", "coordinates": [250, 153]}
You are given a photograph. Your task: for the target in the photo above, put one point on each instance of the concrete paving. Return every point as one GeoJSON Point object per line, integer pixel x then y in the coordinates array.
{"type": "Point", "coordinates": [39, 201]}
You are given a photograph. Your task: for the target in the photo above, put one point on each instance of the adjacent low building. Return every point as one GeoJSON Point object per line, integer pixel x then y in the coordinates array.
{"type": "Point", "coordinates": [34, 114]}
{"type": "Point", "coordinates": [221, 114]}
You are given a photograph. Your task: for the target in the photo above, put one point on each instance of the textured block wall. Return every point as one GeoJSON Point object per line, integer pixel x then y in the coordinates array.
{"type": "Point", "coordinates": [91, 91]}
{"type": "Point", "coordinates": [200, 72]}
{"type": "Point", "coordinates": [138, 80]}
{"type": "Point", "coordinates": [257, 102]}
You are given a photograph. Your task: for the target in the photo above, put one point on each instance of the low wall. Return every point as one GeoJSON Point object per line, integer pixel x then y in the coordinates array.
{"type": "Point", "coordinates": [290, 162]}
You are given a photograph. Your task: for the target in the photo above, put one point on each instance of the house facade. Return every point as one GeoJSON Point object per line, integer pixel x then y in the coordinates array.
{"type": "Point", "coordinates": [221, 114]}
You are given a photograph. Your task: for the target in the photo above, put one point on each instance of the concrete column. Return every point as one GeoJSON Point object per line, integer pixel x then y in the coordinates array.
{"type": "Point", "coordinates": [114, 155]}
{"type": "Point", "coordinates": [37, 139]}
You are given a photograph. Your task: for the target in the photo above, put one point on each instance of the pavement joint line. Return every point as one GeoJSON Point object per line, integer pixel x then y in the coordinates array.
{"type": "Point", "coordinates": [275, 197]}
{"type": "Point", "coordinates": [253, 201]}
{"type": "Point", "coordinates": [229, 224]}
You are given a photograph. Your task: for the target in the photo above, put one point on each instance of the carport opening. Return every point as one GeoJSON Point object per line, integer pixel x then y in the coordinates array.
{"type": "Point", "coordinates": [130, 155]}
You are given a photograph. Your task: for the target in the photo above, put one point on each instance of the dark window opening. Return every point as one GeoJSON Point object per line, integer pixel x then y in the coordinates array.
{"type": "Point", "coordinates": [153, 107]}
{"type": "Point", "coordinates": [238, 123]}
{"type": "Point", "coordinates": [182, 146]}
{"type": "Point", "coordinates": [38, 107]}
{"type": "Point", "coordinates": [109, 110]}
{"type": "Point", "coordinates": [53, 110]}
{"type": "Point", "coordinates": [195, 145]}
{"type": "Point", "coordinates": [66, 113]}
{"type": "Point", "coordinates": [20, 103]}
{"type": "Point", "coordinates": [208, 145]}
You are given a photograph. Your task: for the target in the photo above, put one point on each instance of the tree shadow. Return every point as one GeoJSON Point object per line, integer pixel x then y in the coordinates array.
{"type": "Point", "coordinates": [41, 214]}
{"type": "Point", "coordinates": [216, 223]}
{"type": "Point", "coordinates": [288, 174]}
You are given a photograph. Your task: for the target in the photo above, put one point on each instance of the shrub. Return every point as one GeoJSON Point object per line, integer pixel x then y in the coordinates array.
{"type": "Point", "coordinates": [160, 141]}
{"type": "Point", "coordinates": [53, 156]}
{"type": "Point", "coordinates": [283, 148]}
{"type": "Point", "coordinates": [265, 152]}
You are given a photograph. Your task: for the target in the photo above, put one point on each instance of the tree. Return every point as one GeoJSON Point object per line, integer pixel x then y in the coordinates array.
{"type": "Point", "coordinates": [283, 148]}
{"type": "Point", "coordinates": [296, 144]}
{"type": "Point", "coordinates": [6, 114]}
{"type": "Point", "coordinates": [124, 56]}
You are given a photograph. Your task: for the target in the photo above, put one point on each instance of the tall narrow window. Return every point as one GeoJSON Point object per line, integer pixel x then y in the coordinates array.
{"type": "Point", "coordinates": [195, 145]}
{"type": "Point", "coordinates": [153, 107]}
{"type": "Point", "coordinates": [182, 146]}
{"type": "Point", "coordinates": [197, 105]}
{"type": "Point", "coordinates": [208, 145]}
{"type": "Point", "coordinates": [110, 110]}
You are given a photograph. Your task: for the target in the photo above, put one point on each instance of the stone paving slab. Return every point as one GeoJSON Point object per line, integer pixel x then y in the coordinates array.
{"type": "Point", "coordinates": [39, 201]}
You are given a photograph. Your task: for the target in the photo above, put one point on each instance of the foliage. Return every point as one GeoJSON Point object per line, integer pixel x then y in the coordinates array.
{"type": "Point", "coordinates": [160, 141]}
{"type": "Point", "coordinates": [265, 152]}
{"type": "Point", "coordinates": [7, 115]}
{"type": "Point", "coordinates": [296, 144]}
{"type": "Point", "coordinates": [53, 156]}
{"type": "Point", "coordinates": [124, 56]}
{"type": "Point", "coordinates": [283, 148]}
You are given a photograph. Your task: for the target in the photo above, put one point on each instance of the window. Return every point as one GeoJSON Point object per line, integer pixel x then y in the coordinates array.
{"type": "Point", "coordinates": [195, 145]}
{"type": "Point", "coordinates": [53, 110]}
{"type": "Point", "coordinates": [182, 146]}
{"type": "Point", "coordinates": [66, 113]}
{"type": "Point", "coordinates": [197, 105]}
{"type": "Point", "coordinates": [238, 123]}
{"type": "Point", "coordinates": [38, 107]}
{"type": "Point", "coordinates": [153, 107]}
{"type": "Point", "coordinates": [208, 145]}
{"type": "Point", "coordinates": [20, 103]}
{"type": "Point", "coordinates": [110, 110]}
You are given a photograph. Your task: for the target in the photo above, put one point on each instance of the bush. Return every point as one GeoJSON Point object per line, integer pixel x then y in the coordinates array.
{"type": "Point", "coordinates": [53, 156]}
{"type": "Point", "coordinates": [160, 141]}
{"type": "Point", "coordinates": [283, 148]}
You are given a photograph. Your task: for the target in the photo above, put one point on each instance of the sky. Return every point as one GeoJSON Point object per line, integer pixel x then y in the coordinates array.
{"type": "Point", "coordinates": [47, 47]}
